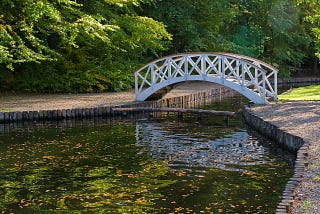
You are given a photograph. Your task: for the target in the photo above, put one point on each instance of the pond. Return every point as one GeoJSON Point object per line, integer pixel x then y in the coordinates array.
{"type": "Point", "coordinates": [144, 166]}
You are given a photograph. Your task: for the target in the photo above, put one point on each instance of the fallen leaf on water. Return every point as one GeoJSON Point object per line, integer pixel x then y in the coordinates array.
{"type": "Point", "coordinates": [184, 196]}
{"type": "Point", "coordinates": [48, 157]}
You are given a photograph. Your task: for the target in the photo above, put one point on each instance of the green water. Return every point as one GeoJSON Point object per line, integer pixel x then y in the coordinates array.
{"type": "Point", "coordinates": [158, 166]}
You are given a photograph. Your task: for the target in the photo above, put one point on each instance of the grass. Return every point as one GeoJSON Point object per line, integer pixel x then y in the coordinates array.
{"type": "Point", "coordinates": [317, 178]}
{"type": "Point", "coordinates": [4, 109]}
{"type": "Point", "coordinates": [305, 205]}
{"type": "Point", "coordinates": [302, 93]}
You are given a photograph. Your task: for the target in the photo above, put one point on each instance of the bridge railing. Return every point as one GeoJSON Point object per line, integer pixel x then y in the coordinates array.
{"type": "Point", "coordinates": [271, 72]}
{"type": "Point", "coordinates": [232, 70]}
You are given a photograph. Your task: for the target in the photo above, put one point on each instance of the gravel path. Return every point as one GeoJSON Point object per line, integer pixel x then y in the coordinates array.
{"type": "Point", "coordinates": [38, 102]}
{"type": "Point", "coordinates": [300, 119]}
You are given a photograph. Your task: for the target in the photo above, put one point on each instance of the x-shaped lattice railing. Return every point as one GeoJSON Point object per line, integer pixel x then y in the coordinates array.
{"type": "Point", "coordinates": [253, 78]}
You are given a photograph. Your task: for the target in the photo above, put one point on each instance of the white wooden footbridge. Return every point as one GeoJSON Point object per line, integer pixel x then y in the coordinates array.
{"type": "Point", "coordinates": [252, 78]}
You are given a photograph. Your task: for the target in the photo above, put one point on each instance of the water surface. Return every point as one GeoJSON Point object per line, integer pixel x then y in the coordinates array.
{"type": "Point", "coordinates": [144, 166]}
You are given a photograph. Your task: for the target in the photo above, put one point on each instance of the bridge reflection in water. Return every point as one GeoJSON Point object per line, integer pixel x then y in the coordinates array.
{"type": "Point", "coordinates": [185, 151]}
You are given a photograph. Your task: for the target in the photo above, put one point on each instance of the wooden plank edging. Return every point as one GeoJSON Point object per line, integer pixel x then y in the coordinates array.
{"type": "Point", "coordinates": [185, 101]}
{"type": "Point", "coordinates": [179, 110]}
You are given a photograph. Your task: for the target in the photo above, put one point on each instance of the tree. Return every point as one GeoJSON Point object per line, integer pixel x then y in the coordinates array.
{"type": "Point", "coordinates": [272, 31]}
{"type": "Point", "coordinates": [269, 30]}
{"type": "Point", "coordinates": [289, 38]}
{"type": "Point", "coordinates": [84, 46]}
{"type": "Point", "coordinates": [74, 46]}
{"type": "Point", "coordinates": [311, 19]}
{"type": "Point", "coordinates": [195, 25]}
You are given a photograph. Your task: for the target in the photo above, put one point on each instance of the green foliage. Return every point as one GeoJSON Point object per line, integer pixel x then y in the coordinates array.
{"type": "Point", "coordinates": [269, 30]}
{"type": "Point", "coordinates": [67, 46]}
{"type": "Point", "coordinates": [195, 25]}
{"type": "Point", "coordinates": [272, 31]}
{"type": "Point", "coordinates": [289, 38]}
{"type": "Point", "coordinates": [248, 41]}
{"type": "Point", "coordinates": [83, 46]}
{"type": "Point", "coordinates": [311, 10]}
{"type": "Point", "coordinates": [316, 178]}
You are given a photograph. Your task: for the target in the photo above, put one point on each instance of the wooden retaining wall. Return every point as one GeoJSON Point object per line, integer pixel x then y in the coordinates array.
{"type": "Point", "coordinates": [298, 82]}
{"type": "Point", "coordinates": [187, 101]}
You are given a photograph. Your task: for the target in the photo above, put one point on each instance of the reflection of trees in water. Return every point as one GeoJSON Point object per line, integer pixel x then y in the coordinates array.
{"type": "Point", "coordinates": [187, 151]}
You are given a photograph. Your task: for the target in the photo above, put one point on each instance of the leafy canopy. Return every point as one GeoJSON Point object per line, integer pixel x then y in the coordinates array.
{"type": "Point", "coordinates": [75, 46]}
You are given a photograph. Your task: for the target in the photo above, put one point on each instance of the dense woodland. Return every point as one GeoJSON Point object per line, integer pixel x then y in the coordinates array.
{"type": "Point", "coordinates": [96, 45]}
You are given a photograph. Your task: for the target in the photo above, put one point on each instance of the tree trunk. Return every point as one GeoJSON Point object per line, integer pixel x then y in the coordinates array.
{"type": "Point", "coordinates": [316, 65]}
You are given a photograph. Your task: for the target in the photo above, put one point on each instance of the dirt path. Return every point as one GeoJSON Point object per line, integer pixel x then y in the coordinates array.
{"type": "Point", "coordinates": [36, 102]}
{"type": "Point", "coordinates": [62, 101]}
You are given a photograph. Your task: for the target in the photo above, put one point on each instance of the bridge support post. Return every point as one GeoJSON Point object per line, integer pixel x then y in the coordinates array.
{"type": "Point", "coordinates": [226, 120]}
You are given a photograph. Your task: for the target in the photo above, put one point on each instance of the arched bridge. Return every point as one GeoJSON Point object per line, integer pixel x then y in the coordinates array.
{"type": "Point", "coordinates": [250, 77]}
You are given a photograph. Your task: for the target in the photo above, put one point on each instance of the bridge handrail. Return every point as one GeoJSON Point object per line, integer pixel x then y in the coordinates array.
{"type": "Point", "coordinates": [248, 59]}
{"type": "Point", "coordinates": [251, 60]}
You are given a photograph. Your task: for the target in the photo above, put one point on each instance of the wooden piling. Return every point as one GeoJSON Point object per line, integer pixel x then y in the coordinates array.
{"type": "Point", "coordinates": [125, 111]}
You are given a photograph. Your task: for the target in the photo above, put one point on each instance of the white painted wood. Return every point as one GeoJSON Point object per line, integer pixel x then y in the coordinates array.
{"type": "Point", "coordinates": [248, 76]}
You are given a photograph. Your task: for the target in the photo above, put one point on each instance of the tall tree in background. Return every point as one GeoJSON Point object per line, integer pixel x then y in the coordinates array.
{"type": "Point", "coordinates": [290, 42]}
{"type": "Point", "coordinates": [251, 31]}
{"type": "Point", "coordinates": [270, 30]}
{"type": "Point", "coordinates": [195, 25]}
{"type": "Point", "coordinates": [85, 45]}
{"type": "Point", "coordinates": [311, 19]}
{"type": "Point", "coordinates": [75, 46]}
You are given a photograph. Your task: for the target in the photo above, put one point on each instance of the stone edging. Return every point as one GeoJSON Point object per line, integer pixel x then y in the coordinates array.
{"type": "Point", "coordinates": [291, 142]}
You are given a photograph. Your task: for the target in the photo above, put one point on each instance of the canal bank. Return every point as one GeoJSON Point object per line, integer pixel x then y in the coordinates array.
{"type": "Point", "coordinates": [294, 125]}
{"type": "Point", "coordinates": [304, 129]}
{"type": "Point", "coordinates": [210, 168]}
{"type": "Point", "coordinates": [35, 108]}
